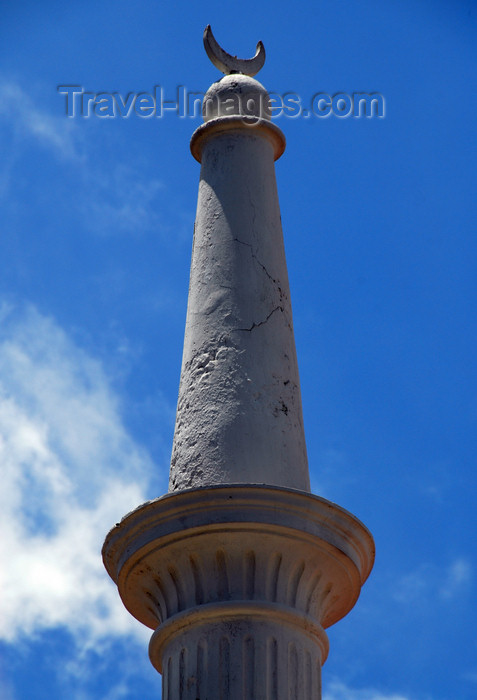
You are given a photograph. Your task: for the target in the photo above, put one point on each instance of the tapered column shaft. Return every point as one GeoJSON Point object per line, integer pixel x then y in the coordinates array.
{"type": "Point", "coordinates": [239, 415]}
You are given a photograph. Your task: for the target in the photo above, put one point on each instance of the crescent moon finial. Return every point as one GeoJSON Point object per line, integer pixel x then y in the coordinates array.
{"type": "Point", "coordinates": [227, 63]}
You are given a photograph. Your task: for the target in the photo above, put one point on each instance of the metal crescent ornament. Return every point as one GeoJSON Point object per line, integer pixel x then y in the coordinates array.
{"type": "Point", "coordinates": [227, 63]}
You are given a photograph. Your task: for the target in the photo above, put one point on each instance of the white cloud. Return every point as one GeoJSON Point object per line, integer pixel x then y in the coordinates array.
{"type": "Point", "coordinates": [69, 472]}
{"type": "Point", "coordinates": [336, 690]}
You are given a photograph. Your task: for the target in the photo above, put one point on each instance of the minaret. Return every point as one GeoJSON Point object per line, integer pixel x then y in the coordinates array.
{"type": "Point", "coordinates": [239, 568]}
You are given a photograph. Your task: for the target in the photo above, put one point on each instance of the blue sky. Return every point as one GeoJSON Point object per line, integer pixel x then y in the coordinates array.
{"type": "Point", "coordinates": [95, 240]}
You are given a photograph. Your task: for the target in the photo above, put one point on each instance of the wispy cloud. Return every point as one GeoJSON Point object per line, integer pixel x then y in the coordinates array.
{"type": "Point", "coordinates": [336, 690]}
{"type": "Point", "coordinates": [69, 472]}
{"type": "Point", "coordinates": [470, 676]}
{"type": "Point", "coordinates": [112, 196]}
{"type": "Point", "coordinates": [23, 126]}
{"type": "Point", "coordinates": [430, 581]}
{"type": "Point", "coordinates": [123, 201]}
{"type": "Point", "coordinates": [457, 577]}
{"type": "Point", "coordinates": [6, 690]}
{"type": "Point", "coordinates": [18, 110]}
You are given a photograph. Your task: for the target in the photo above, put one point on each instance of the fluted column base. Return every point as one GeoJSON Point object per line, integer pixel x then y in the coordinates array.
{"type": "Point", "coordinates": [238, 583]}
{"type": "Point", "coordinates": [239, 651]}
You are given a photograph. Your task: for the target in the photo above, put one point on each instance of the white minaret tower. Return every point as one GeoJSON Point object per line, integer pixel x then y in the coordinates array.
{"type": "Point", "coordinates": [239, 568]}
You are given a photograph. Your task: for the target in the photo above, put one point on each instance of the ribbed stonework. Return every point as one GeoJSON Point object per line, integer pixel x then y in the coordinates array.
{"type": "Point", "coordinates": [239, 569]}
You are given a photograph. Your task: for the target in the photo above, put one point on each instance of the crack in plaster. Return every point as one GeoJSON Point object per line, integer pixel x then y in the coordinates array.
{"type": "Point", "coordinates": [260, 323]}
{"type": "Point", "coordinates": [249, 245]}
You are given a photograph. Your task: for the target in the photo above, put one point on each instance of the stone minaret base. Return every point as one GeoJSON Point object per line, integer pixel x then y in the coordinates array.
{"type": "Point", "coordinates": [238, 583]}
